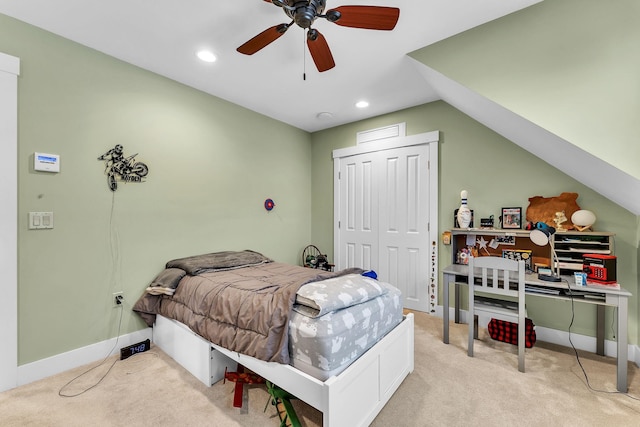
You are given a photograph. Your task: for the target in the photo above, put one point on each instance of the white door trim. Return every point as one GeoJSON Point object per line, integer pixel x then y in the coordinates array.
{"type": "Point", "coordinates": [386, 144]}
{"type": "Point", "coordinates": [430, 138]}
{"type": "Point", "coordinates": [9, 72]}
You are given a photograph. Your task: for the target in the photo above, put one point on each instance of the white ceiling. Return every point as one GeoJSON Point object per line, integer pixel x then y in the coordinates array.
{"type": "Point", "coordinates": [163, 36]}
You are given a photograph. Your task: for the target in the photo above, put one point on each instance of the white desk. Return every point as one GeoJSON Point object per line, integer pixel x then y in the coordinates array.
{"type": "Point", "coordinates": [600, 295]}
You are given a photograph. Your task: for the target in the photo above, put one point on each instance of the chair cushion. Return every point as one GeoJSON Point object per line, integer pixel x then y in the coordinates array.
{"type": "Point", "coordinates": [501, 330]}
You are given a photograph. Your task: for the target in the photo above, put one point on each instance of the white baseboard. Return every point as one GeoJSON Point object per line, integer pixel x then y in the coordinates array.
{"type": "Point", "coordinates": [44, 368]}
{"type": "Point", "coordinates": [53, 365]}
{"type": "Point", "coordinates": [555, 336]}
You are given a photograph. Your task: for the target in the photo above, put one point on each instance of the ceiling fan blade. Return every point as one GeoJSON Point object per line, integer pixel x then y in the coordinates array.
{"type": "Point", "coordinates": [263, 39]}
{"type": "Point", "coordinates": [320, 51]}
{"type": "Point", "coordinates": [368, 17]}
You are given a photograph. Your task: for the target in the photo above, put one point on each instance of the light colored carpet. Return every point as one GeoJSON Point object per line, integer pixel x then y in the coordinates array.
{"type": "Point", "coordinates": [447, 388]}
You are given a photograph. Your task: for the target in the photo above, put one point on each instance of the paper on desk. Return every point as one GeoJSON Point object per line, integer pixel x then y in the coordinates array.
{"type": "Point", "coordinates": [471, 239]}
{"type": "Point", "coordinates": [493, 244]}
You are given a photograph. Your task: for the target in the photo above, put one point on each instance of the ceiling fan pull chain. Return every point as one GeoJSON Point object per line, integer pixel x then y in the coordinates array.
{"type": "Point", "coordinates": [304, 56]}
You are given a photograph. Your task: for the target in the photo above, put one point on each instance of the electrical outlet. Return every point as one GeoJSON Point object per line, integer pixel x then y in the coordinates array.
{"type": "Point", "coordinates": [118, 299]}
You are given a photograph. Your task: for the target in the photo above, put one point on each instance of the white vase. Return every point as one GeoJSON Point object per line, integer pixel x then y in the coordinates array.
{"type": "Point", "coordinates": [464, 213]}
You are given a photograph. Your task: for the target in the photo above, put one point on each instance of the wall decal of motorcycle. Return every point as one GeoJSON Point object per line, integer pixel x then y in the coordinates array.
{"type": "Point", "coordinates": [123, 169]}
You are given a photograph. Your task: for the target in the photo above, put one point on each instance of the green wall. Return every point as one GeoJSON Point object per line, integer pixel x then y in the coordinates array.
{"type": "Point", "coordinates": [497, 173]}
{"type": "Point", "coordinates": [212, 164]}
{"type": "Point", "coordinates": [570, 66]}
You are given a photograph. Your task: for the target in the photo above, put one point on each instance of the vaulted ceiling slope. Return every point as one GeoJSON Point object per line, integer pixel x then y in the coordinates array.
{"type": "Point", "coordinates": [163, 36]}
{"type": "Point", "coordinates": [546, 80]}
{"type": "Point", "coordinates": [611, 182]}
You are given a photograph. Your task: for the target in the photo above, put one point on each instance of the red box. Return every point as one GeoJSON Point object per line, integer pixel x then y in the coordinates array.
{"type": "Point", "coordinates": [600, 268]}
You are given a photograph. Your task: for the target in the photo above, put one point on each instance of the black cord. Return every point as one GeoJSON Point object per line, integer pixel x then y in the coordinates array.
{"type": "Point", "coordinates": [60, 392]}
{"type": "Point", "coordinates": [115, 263]}
{"type": "Point", "coordinates": [584, 372]}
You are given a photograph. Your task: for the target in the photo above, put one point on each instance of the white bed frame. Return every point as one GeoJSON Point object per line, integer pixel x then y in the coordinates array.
{"type": "Point", "coordinates": [352, 398]}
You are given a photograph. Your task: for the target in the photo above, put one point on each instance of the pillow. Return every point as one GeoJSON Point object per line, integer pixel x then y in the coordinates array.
{"type": "Point", "coordinates": [168, 278]}
{"type": "Point", "coordinates": [318, 298]}
{"type": "Point", "coordinates": [166, 282]}
{"type": "Point", "coordinates": [195, 265]}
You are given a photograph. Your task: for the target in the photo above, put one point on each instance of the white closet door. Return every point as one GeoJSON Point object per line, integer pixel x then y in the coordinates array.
{"type": "Point", "coordinates": [404, 223]}
{"type": "Point", "coordinates": [384, 207]}
{"type": "Point", "coordinates": [359, 212]}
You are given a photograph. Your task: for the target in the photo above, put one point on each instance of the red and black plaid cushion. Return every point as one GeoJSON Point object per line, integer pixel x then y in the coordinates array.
{"type": "Point", "coordinates": [501, 330]}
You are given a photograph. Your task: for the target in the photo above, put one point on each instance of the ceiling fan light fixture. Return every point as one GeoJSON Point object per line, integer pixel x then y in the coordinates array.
{"type": "Point", "coordinates": [206, 56]}
{"type": "Point", "coordinates": [304, 13]}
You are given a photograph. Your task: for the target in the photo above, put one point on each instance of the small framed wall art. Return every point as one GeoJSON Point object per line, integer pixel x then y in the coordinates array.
{"type": "Point", "coordinates": [455, 219]}
{"type": "Point", "coordinates": [511, 218]}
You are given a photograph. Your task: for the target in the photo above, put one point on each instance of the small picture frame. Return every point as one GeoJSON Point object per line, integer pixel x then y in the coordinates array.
{"type": "Point", "coordinates": [455, 219]}
{"type": "Point", "coordinates": [511, 218]}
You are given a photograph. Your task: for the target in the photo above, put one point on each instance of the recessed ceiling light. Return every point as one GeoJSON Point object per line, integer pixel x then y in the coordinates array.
{"type": "Point", "coordinates": [362, 104]}
{"type": "Point", "coordinates": [206, 56]}
{"type": "Point", "coordinates": [325, 115]}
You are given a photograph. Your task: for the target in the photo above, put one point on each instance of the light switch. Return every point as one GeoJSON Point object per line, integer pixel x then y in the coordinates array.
{"type": "Point", "coordinates": [40, 220]}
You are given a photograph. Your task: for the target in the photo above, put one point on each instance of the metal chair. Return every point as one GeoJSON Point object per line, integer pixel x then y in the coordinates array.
{"type": "Point", "coordinates": [499, 278]}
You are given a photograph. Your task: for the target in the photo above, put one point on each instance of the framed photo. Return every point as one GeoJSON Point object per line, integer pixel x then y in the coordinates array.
{"type": "Point", "coordinates": [511, 218]}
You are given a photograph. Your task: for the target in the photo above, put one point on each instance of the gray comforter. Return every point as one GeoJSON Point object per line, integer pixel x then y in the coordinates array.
{"type": "Point", "coordinates": [239, 300]}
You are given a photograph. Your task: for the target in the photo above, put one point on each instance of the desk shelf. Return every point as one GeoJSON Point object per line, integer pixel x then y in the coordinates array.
{"type": "Point", "coordinates": [516, 241]}
{"type": "Point", "coordinates": [569, 245]}
{"type": "Point", "coordinates": [572, 245]}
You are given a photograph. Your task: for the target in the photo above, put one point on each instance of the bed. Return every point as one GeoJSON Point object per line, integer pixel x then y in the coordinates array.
{"type": "Point", "coordinates": [336, 340]}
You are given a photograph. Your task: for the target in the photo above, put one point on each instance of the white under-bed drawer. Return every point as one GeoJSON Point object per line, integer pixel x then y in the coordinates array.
{"type": "Point", "coordinates": [352, 398]}
{"type": "Point", "coordinates": [191, 351]}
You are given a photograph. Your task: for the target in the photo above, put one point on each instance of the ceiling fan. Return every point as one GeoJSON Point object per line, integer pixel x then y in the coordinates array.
{"type": "Point", "coordinates": [304, 12]}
